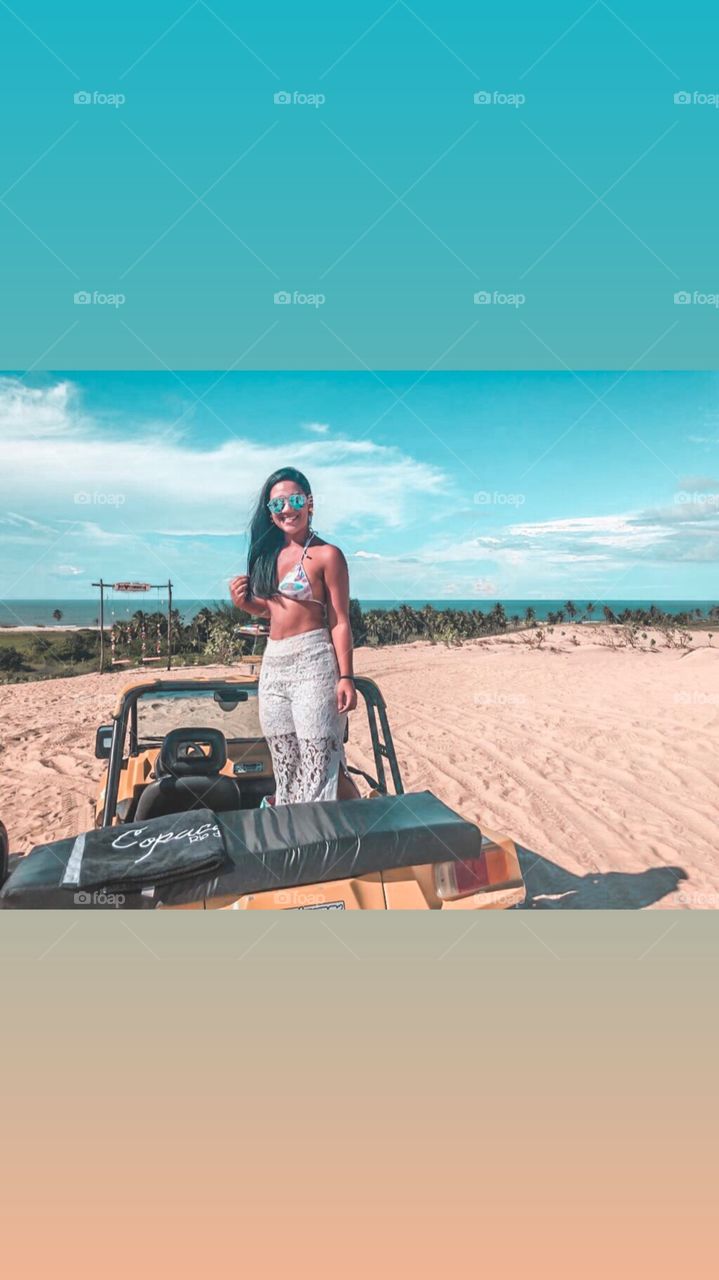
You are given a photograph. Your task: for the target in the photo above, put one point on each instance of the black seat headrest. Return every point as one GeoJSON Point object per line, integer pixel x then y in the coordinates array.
{"type": "Point", "coordinates": [191, 752]}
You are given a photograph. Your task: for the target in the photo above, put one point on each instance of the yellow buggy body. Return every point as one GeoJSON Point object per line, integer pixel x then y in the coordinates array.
{"type": "Point", "coordinates": [150, 713]}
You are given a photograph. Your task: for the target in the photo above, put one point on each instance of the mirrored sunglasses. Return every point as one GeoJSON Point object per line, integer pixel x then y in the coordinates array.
{"type": "Point", "coordinates": [294, 500]}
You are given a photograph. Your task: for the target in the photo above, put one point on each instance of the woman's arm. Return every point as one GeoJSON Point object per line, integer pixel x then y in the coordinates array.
{"type": "Point", "coordinates": [254, 605]}
{"type": "Point", "coordinates": [337, 584]}
{"type": "Point", "coordinates": [241, 598]}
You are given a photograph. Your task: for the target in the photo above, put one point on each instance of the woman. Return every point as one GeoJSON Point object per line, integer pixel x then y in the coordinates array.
{"type": "Point", "coordinates": [306, 683]}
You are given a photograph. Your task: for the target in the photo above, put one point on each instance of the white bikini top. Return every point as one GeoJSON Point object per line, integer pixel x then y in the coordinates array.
{"type": "Point", "coordinates": [296, 585]}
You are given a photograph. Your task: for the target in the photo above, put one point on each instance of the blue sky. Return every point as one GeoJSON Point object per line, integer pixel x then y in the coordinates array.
{"type": "Point", "coordinates": [444, 484]}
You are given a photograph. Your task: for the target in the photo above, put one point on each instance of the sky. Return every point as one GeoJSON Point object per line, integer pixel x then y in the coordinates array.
{"type": "Point", "coordinates": [435, 485]}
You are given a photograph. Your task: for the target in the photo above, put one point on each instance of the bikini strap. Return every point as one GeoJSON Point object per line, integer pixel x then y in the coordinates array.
{"type": "Point", "coordinates": [304, 549]}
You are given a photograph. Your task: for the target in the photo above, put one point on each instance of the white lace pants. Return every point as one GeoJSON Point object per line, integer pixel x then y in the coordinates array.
{"type": "Point", "coordinates": [299, 716]}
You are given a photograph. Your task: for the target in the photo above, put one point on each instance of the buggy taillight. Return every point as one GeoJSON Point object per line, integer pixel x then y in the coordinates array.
{"type": "Point", "coordinates": [460, 879]}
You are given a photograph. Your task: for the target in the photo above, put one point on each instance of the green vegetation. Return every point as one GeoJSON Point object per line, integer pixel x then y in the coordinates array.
{"type": "Point", "coordinates": [10, 658]}
{"type": "Point", "coordinates": [34, 655]}
{"type": "Point", "coordinates": [451, 626]}
{"type": "Point", "coordinates": [214, 635]}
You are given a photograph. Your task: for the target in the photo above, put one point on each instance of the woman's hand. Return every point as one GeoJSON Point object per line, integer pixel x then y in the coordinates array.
{"type": "Point", "coordinates": [240, 590]}
{"type": "Point", "coordinates": [346, 696]}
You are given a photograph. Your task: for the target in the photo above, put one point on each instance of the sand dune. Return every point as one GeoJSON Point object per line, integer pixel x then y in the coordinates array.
{"type": "Point", "coordinates": [599, 761]}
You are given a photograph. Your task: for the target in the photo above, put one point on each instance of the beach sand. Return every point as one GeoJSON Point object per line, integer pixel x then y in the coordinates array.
{"type": "Point", "coordinates": [599, 761]}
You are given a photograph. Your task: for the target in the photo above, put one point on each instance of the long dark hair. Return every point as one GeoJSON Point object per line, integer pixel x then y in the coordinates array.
{"type": "Point", "coordinates": [266, 538]}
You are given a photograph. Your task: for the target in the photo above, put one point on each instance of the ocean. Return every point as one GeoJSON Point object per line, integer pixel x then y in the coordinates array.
{"type": "Point", "coordinates": [85, 613]}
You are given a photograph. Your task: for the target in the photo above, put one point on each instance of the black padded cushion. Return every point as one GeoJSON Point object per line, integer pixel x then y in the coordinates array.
{"type": "Point", "coordinates": [111, 867]}
{"type": "Point", "coordinates": [174, 762]}
{"type": "Point", "coordinates": [273, 848]}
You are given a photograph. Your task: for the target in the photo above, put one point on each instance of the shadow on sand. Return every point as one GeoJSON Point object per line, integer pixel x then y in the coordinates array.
{"type": "Point", "coordinates": [551, 888]}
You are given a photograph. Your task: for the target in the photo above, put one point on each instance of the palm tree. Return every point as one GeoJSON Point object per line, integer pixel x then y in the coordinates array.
{"type": "Point", "coordinates": [57, 615]}
{"type": "Point", "coordinates": [406, 625]}
{"type": "Point", "coordinates": [530, 616]}
{"type": "Point", "coordinates": [571, 608]}
{"type": "Point", "coordinates": [589, 609]}
{"type": "Point", "coordinates": [357, 623]}
{"type": "Point", "coordinates": [497, 618]}
{"type": "Point", "coordinates": [136, 623]}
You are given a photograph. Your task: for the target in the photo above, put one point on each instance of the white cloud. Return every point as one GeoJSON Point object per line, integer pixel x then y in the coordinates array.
{"type": "Point", "coordinates": [570, 554]}
{"type": "Point", "coordinates": [16, 521]}
{"type": "Point", "coordinates": [319, 428]}
{"type": "Point", "coordinates": [154, 482]}
{"type": "Point", "coordinates": [67, 571]}
{"type": "Point", "coordinates": [86, 531]}
{"type": "Point", "coordinates": [37, 411]}
{"type": "Point", "coordinates": [618, 531]}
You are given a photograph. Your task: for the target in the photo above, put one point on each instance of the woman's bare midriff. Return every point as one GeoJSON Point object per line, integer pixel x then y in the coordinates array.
{"type": "Point", "coordinates": [294, 617]}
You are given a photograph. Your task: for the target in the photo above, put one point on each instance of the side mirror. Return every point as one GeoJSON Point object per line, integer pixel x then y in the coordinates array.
{"type": "Point", "coordinates": [103, 742]}
{"type": "Point", "coordinates": [228, 699]}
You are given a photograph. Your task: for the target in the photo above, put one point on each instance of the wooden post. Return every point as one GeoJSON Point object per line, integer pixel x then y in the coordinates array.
{"type": "Point", "coordinates": [102, 626]}
{"type": "Point", "coordinates": [169, 625]}
{"type": "Point", "coordinates": [101, 585]}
